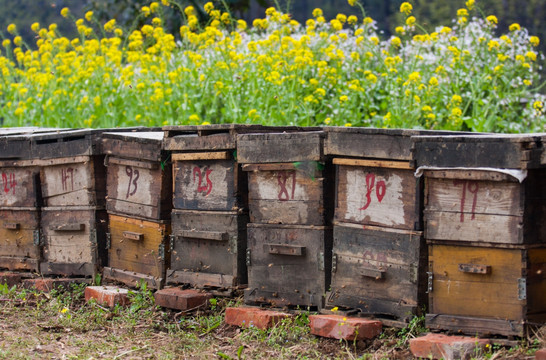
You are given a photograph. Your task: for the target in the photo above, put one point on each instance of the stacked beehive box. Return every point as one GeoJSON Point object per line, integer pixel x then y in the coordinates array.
{"type": "Point", "coordinates": [379, 258]}
{"type": "Point", "coordinates": [73, 189]}
{"type": "Point", "coordinates": [289, 240]}
{"type": "Point", "coordinates": [210, 212]}
{"type": "Point", "coordinates": [139, 203]}
{"type": "Point", "coordinates": [20, 201]}
{"type": "Point", "coordinates": [485, 225]}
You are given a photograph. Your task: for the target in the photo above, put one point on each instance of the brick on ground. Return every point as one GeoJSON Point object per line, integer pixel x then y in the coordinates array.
{"type": "Point", "coordinates": [182, 299]}
{"type": "Point", "coordinates": [48, 284]}
{"type": "Point", "coordinates": [447, 347]}
{"type": "Point", "coordinates": [342, 327]}
{"type": "Point", "coordinates": [107, 295]}
{"type": "Point", "coordinates": [251, 316]}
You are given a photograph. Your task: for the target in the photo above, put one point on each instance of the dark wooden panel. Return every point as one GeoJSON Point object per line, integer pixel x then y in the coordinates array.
{"type": "Point", "coordinates": [290, 280]}
{"type": "Point", "coordinates": [19, 184]}
{"type": "Point", "coordinates": [280, 147]}
{"type": "Point", "coordinates": [142, 189]}
{"type": "Point", "coordinates": [17, 234]}
{"type": "Point", "coordinates": [496, 151]}
{"type": "Point", "coordinates": [73, 252]}
{"type": "Point", "coordinates": [378, 196]}
{"type": "Point", "coordinates": [474, 326]}
{"type": "Point", "coordinates": [193, 142]}
{"type": "Point", "coordinates": [140, 145]}
{"type": "Point", "coordinates": [378, 271]}
{"type": "Point", "coordinates": [287, 196]}
{"type": "Point", "coordinates": [131, 278]}
{"type": "Point", "coordinates": [207, 185]}
{"type": "Point", "coordinates": [136, 245]}
{"type": "Point", "coordinates": [208, 242]}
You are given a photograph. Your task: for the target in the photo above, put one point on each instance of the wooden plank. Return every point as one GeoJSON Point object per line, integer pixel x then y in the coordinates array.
{"type": "Point", "coordinates": [269, 167]}
{"type": "Point", "coordinates": [474, 326]}
{"type": "Point", "coordinates": [378, 196]}
{"type": "Point", "coordinates": [206, 185]}
{"type": "Point", "coordinates": [493, 295]}
{"type": "Point", "coordinates": [139, 188]}
{"type": "Point", "coordinates": [19, 186]}
{"type": "Point", "coordinates": [374, 163]}
{"type": "Point", "coordinates": [135, 243]}
{"type": "Point", "coordinates": [202, 253]}
{"type": "Point", "coordinates": [300, 280]}
{"type": "Point", "coordinates": [502, 229]}
{"type": "Point", "coordinates": [200, 279]}
{"type": "Point", "coordinates": [280, 147]}
{"type": "Point", "coordinates": [286, 197]}
{"type": "Point", "coordinates": [192, 142]}
{"type": "Point", "coordinates": [216, 155]}
{"type": "Point", "coordinates": [470, 197]}
{"type": "Point", "coordinates": [131, 278]}
{"type": "Point", "coordinates": [470, 174]}
{"type": "Point", "coordinates": [146, 145]}
{"type": "Point", "coordinates": [69, 269]}
{"type": "Point", "coordinates": [536, 285]}
{"type": "Point", "coordinates": [15, 263]}
{"type": "Point", "coordinates": [378, 272]}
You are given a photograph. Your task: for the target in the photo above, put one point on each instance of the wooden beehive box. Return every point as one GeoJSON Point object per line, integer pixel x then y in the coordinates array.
{"type": "Point", "coordinates": [288, 265]}
{"type": "Point", "coordinates": [287, 177]}
{"type": "Point", "coordinates": [486, 290]}
{"type": "Point", "coordinates": [138, 250]}
{"type": "Point", "coordinates": [485, 223]}
{"type": "Point", "coordinates": [378, 271]}
{"type": "Point", "coordinates": [73, 240]}
{"type": "Point", "coordinates": [15, 142]}
{"type": "Point", "coordinates": [208, 249]}
{"type": "Point", "coordinates": [138, 175]}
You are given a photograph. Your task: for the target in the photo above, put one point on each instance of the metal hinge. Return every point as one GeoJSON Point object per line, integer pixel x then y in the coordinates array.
{"type": "Point", "coordinates": [522, 289]}
{"type": "Point", "coordinates": [334, 263]}
{"type": "Point", "coordinates": [321, 261]}
{"type": "Point", "coordinates": [247, 257]}
{"type": "Point", "coordinates": [171, 242]}
{"type": "Point", "coordinates": [161, 251]}
{"type": "Point", "coordinates": [429, 284]}
{"type": "Point", "coordinates": [93, 236]}
{"type": "Point", "coordinates": [37, 238]}
{"type": "Point", "coordinates": [108, 241]}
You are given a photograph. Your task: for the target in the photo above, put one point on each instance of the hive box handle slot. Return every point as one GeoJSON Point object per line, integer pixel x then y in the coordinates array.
{"type": "Point", "coordinates": [279, 249]}
{"type": "Point", "coordinates": [206, 235]}
{"type": "Point", "coordinates": [68, 227]}
{"type": "Point", "coordinates": [377, 274]}
{"type": "Point", "coordinates": [11, 226]}
{"type": "Point", "coordinates": [475, 269]}
{"type": "Point", "coordinates": [133, 235]}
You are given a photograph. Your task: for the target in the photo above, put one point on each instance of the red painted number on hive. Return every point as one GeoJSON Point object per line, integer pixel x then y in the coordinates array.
{"type": "Point", "coordinates": [380, 190]}
{"type": "Point", "coordinates": [66, 175]}
{"type": "Point", "coordinates": [133, 174]}
{"type": "Point", "coordinates": [282, 180]}
{"type": "Point", "coordinates": [472, 187]}
{"type": "Point", "coordinates": [9, 182]}
{"type": "Point", "coordinates": [202, 187]}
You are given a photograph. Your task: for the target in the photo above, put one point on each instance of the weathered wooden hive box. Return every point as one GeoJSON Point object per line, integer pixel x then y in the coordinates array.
{"type": "Point", "coordinates": [484, 216]}
{"type": "Point", "coordinates": [20, 200]}
{"type": "Point", "coordinates": [379, 257]}
{"type": "Point", "coordinates": [289, 238]}
{"type": "Point", "coordinates": [73, 189]}
{"type": "Point", "coordinates": [210, 202]}
{"type": "Point", "coordinates": [139, 203]}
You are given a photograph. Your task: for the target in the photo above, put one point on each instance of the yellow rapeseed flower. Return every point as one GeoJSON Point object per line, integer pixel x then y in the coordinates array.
{"type": "Point", "coordinates": [514, 27]}
{"type": "Point", "coordinates": [88, 15]}
{"type": "Point", "coordinates": [145, 10]}
{"type": "Point", "coordinates": [110, 25]}
{"type": "Point", "coordinates": [406, 8]}
{"type": "Point", "coordinates": [18, 41]}
{"type": "Point", "coordinates": [410, 20]}
{"type": "Point", "coordinates": [534, 40]}
{"type": "Point", "coordinates": [154, 6]}
{"type": "Point", "coordinates": [317, 12]}
{"type": "Point", "coordinates": [352, 19]}
{"type": "Point", "coordinates": [352, 2]}
{"type": "Point", "coordinates": [462, 12]}
{"type": "Point", "coordinates": [64, 12]}
{"type": "Point", "coordinates": [194, 117]}
{"type": "Point", "coordinates": [492, 19]}
{"type": "Point", "coordinates": [367, 20]}
{"type": "Point", "coordinates": [470, 4]}
{"type": "Point", "coordinates": [35, 27]}
{"type": "Point", "coordinates": [12, 28]}
{"type": "Point", "coordinates": [6, 43]}
{"type": "Point", "coordinates": [400, 30]}
{"type": "Point", "coordinates": [433, 81]}
{"type": "Point", "coordinates": [208, 7]}
{"type": "Point", "coordinates": [530, 55]}
{"type": "Point", "coordinates": [189, 10]}
{"type": "Point", "coordinates": [395, 41]}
